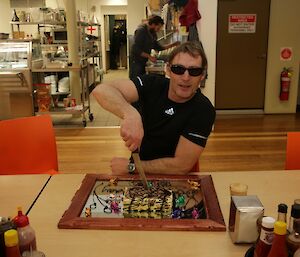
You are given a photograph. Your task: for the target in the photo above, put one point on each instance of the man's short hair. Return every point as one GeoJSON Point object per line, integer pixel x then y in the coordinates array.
{"type": "Point", "coordinates": [192, 48]}
{"type": "Point", "coordinates": [155, 20]}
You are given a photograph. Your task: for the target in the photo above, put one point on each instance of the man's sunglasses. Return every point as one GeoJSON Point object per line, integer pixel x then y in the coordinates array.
{"type": "Point", "coordinates": [180, 70]}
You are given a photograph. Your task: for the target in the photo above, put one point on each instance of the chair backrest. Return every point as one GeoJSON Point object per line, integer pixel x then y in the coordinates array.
{"type": "Point", "coordinates": [196, 167]}
{"type": "Point", "coordinates": [28, 146]}
{"type": "Point", "coordinates": [292, 161]}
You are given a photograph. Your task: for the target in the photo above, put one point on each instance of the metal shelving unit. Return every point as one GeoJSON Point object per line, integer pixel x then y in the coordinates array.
{"type": "Point", "coordinates": [82, 107]}
{"type": "Point", "coordinates": [90, 55]}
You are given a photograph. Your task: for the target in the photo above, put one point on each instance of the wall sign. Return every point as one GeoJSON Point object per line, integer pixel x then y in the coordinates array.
{"type": "Point", "coordinates": [286, 53]}
{"type": "Point", "coordinates": [241, 23]}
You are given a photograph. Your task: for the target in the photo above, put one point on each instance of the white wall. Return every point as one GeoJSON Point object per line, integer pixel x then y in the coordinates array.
{"type": "Point", "coordinates": [6, 15]}
{"type": "Point", "coordinates": [207, 28]}
{"type": "Point", "coordinates": [55, 3]}
{"type": "Point", "coordinates": [283, 32]}
{"type": "Point", "coordinates": [111, 2]}
{"type": "Point", "coordinates": [136, 12]}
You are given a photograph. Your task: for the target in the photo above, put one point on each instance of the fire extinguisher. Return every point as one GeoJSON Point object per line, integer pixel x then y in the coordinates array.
{"type": "Point", "coordinates": [285, 82]}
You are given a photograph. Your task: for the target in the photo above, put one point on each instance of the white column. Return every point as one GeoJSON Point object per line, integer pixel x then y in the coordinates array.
{"type": "Point", "coordinates": [73, 48]}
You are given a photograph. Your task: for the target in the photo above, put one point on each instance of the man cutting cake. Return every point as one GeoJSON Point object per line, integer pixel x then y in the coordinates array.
{"type": "Point", "coordinates": [167, 119]}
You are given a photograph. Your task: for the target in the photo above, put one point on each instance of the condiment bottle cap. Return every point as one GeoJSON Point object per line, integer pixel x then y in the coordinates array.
{"type": "Point", "coordinates": [295, 212]}
{"type": "Point", "coordinates": [282, 208]}
{"type": "Point", "coordinates": [21, 220]}
{"type": "Point", "coordinates": [297, 226]}
{"type": "Point", "coordinates": [280, 228]}
{"type": "Point", "coordinates": [11, 238]}
{"type": "Point", "coordinates": [268, 222]}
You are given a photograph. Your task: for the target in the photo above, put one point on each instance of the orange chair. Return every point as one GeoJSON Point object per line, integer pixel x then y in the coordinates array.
{"type": "Point", "coordinates": [196, 167]}
{"type": "Point", "coordinates": [293, 151]}
{"type": "Point", "coordinates": [28, 146]}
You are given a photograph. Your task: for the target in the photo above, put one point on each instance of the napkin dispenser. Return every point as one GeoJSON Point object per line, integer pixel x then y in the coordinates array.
{"type": "Point", "coordinates": [244, 212]}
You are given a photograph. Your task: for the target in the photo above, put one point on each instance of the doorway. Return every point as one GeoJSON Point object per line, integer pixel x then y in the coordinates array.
{"type": "Point", "coordinates": [116, 48]}
{"type": "Point", "coordinates": [242, 41]}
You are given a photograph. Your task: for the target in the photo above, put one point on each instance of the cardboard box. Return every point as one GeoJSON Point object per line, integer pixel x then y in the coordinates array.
{"type": "Point", "coordinates": [18, 35]}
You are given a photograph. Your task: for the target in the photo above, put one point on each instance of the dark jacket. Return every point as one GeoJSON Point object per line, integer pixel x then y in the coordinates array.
{"type": "Point", "coordinates": [144, 41]}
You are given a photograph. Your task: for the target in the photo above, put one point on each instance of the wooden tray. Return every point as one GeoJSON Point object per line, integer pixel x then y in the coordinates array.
{"type": "Point", "coordinates": [214, 221]}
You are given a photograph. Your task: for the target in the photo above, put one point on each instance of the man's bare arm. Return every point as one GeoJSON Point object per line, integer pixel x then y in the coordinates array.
{"type": "Point", "coordinates": [186, 155]}
{"type": "Point", "coordinates": [116, 97]}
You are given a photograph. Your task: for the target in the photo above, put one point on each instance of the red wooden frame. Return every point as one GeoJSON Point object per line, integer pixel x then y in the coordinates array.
{"type": "Point", "coordinates": [214, 222]}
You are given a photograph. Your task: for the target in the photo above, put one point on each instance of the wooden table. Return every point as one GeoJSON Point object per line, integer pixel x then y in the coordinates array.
{"type": "Point", "coordinates": [272, 188]}
{"type": "Point", "coordinates": [19, 190]}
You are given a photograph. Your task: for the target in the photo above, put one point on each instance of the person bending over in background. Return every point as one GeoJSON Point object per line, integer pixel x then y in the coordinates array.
{"type": "Point", "coordinates": [171, 120]}
{"type": "Point", "coordinates": [145, 39]}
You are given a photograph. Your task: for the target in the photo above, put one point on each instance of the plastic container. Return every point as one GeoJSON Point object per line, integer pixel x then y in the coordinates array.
{"type": "Point", "coordinates": [43, 96]}
{"type": "Point", "coordinates": [27, 240]}
{"type": "Point", "coordinates": [279, 248]}
{"type": "Point", "coordinates": [11, 243]}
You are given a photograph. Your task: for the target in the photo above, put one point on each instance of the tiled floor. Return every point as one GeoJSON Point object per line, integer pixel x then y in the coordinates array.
{"type": "Point", "coordinates": [101, 116]}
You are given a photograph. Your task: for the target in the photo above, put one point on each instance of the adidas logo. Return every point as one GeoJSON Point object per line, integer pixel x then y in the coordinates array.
{"type": "Point", "coordinates": [170, 111]}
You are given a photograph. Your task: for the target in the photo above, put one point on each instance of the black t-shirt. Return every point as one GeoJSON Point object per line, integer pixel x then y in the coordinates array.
{"type": "Point", "coordinates": [165, 121]}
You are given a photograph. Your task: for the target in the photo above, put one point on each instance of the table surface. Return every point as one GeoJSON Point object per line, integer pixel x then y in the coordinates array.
{"type": "Point", "coordinates": [272, 188]}
{"type": "Point", "coordinates": [19, 190]}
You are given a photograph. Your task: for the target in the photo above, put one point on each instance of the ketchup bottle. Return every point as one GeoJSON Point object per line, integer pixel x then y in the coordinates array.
{"type": "Point", "coordinates": [264, 244]}
{"type": "Point", "coordinates": [279, 248]}
{"type": "Point", "coordinates": [27, 241]}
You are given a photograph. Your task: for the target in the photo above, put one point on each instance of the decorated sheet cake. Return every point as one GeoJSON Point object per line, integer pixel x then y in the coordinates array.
{"type": "Point", "coordinates": [161, 203]}
{"type": "Point", "coordinates": [130, 199]}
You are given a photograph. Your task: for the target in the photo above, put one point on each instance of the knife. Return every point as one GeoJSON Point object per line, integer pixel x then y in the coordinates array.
{"type": "Point", "coordinates": [139, 167]}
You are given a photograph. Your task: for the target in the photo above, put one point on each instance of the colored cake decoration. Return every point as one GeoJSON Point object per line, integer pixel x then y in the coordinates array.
{"type": "Point", "coordinates": [162, 200]}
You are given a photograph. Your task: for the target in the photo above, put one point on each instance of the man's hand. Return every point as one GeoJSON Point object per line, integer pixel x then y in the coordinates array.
{"type": "Point", "coordinates": [119, 166]}
{"type": "Point", "coordinates": [132, 130]}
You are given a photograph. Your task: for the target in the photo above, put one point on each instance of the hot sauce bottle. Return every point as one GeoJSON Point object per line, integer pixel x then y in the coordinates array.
{"type": "Point", "coordinates": [279, 248]}
{"type": "Point", "coordinates": [27, 241]}
{"type": "Point", "coordinates": [11, 243]}
{"type": "Point", "coordinates": [293, 239]}
{"type": "Point", "coordinates": [264, 244]}
{"type": "Point", "coordinates": [295, 214]}
{"type": "Point", "coordinates": [282, 211]}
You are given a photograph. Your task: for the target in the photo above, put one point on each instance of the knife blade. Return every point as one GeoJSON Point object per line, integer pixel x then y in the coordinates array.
{"type": "Point", "coordinates": [139, 167]}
